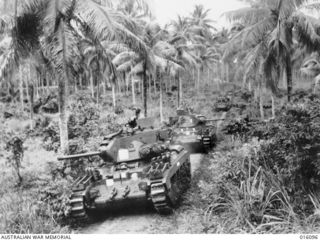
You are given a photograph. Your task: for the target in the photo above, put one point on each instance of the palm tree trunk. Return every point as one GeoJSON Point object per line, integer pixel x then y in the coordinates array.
{"type": "Point", "coordinates": [113, 86]}
{"type": "Point", "coordinates": [178, 80]}
{"type": "Point", "coordinates": [145, 88]}
{"type": "Point", "coordinates": [180, 88]}
{"type": "Point", "coordinates": [166, 84]}
{"type": "Point", "coordinates": [194, 75]}
{"type": "Point", "coordinates": [21, 88]}
{"type": "Point", "coordinates": [104, 92]}
{"type": "Point", "coordinates": [42, 81]}
{"type": "Point", "coordinates": [289, 78]}
{"type": "Point", "coordinates": [133, 92]}
{"type": "Point", "coordinates": [47, 82]}
{"type": "Point", "coordinates": [62, 94]}
{"type": "Point", "coordinates": [149, 86]}
{"type": "Point", "coordinates": [37, 85]}
{"type": "Point", "coordinates": [155, 86]}
{"type": "Point", "coordinates": [273, 107]}
{"type": "Point", "coordinates": [261, 102]}
{"type": "Point", "coordinates": [227, 73]}
{"type": "Point", "coordinates": [31, 94]}
{"type": "Point", "coordinates": [127, 85]}
{"type": "Point", "coordinates": [27, 90]}
{"type": "Point", "coordinates": [80, 81]}
{"type": "Point", "coordinates": [198, 79]}
{"type": "Point", "coordinates": [98, 83]}
{"type": "Point", "coordinates": [161, 99]}
{"type": "Point", "coordinates": [316, 84]}
{"type": "Point", "coordinates": [91, 84]}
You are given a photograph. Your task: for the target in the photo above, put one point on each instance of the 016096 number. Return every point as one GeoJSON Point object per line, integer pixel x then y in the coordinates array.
{"type": "Point", "coordinates": [313, 236]}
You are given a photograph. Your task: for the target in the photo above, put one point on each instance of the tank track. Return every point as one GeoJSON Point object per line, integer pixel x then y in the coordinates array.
{"type": "Point", "coordinates": [159, 199]}
{"type": "Point", "coordinates": [78, 211]}
{"type": "Point", "coordinates": [206, 141]}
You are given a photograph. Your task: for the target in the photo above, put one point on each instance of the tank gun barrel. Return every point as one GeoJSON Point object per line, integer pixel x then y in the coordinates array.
{"type": "Point", "coordinates": [75, 156]}
{"type": "Point", "coordinates": [215, 119]}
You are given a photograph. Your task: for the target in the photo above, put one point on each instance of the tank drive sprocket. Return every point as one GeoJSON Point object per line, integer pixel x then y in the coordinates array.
{"type": "Point", "coordinates": [78, 210]}
{"type": "Point", "coordinates": [159, 199]}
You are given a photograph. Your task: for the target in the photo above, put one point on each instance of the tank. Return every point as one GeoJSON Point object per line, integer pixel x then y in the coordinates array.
{"type": "Point", "coordinates": [133, 170]}
{"type": "Point", "coordinates": [195, 132]}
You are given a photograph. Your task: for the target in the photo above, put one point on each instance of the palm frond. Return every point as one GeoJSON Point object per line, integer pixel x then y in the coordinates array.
{"type": "Point", "coordinates": [307, 29]}
{"type": "Point", "coordinates": [137, 69]}
{"type": "Point", "coordinates": [125, 66]}
{"type": "Point", "coordinates": [247, 15]}
{"type": "Point", "coordinates": [124, 57]}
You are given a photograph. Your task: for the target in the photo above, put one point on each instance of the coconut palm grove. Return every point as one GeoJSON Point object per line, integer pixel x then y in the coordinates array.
{"type": "Point", "coordinates": [72, 72]}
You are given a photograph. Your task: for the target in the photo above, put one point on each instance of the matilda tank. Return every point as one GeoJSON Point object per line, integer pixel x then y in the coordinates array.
{"type": "Point", "coordinates": [135, 169]}
{"type": "Point", "coordinates": [195, 132]}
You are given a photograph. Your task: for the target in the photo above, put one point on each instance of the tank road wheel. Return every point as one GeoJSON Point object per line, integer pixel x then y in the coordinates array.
{"type": "Point", "coordinates": [160, 200]}
{"type": "Point", "coordinates": [78, 211]}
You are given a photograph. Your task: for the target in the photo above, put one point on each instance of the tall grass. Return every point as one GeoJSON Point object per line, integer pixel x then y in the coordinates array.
{"type": "Point", "coordinates": [19, 213]}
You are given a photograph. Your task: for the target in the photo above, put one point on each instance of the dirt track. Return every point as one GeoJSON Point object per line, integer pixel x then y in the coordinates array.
{"type": "Point", "coordinates": [138, 222]}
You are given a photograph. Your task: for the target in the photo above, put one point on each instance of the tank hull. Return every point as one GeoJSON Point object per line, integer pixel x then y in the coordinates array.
{"type": "Point", "coordinates": [119, 196]}
{"type": "Point", "coordinates": [191, 144]}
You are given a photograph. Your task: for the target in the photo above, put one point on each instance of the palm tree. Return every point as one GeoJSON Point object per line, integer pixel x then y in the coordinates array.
{"type": "Point", "coordinates": [268, 33]}
{"type": "Point", "coordinates": [55, 28]}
